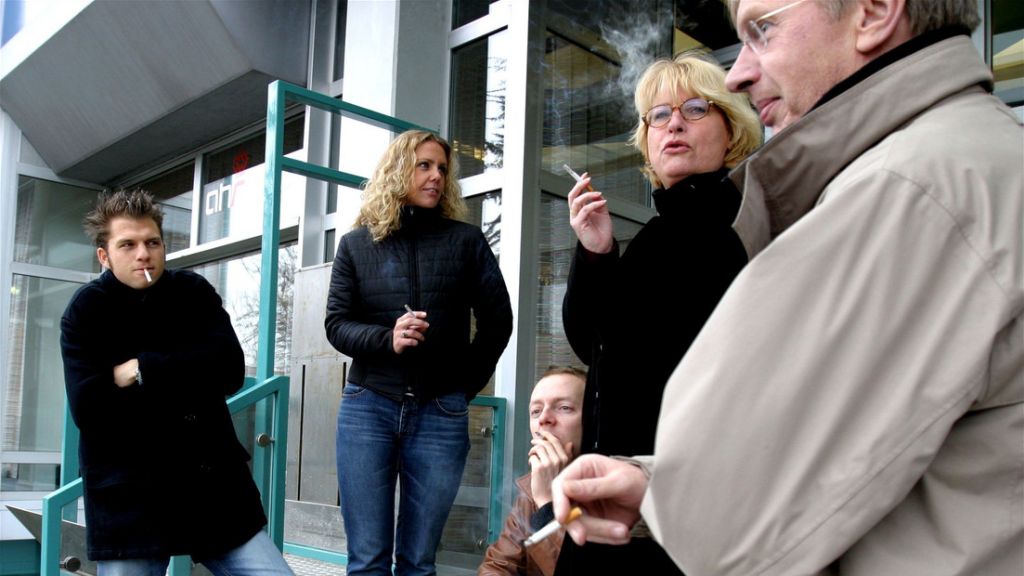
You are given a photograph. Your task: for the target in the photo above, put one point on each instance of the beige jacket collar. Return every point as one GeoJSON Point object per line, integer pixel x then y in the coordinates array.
{"type": "Point", "coordinates": [783, 180]}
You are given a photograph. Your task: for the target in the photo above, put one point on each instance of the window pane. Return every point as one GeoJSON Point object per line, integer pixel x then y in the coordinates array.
{"type": "Point", "coordinates": [643, 29]}
{"type": "Point", "coordinates": [238, 283]}
{"type": "Point", "coordinates": [48, 226]}
{"type": "Point", "coordinates": [173, 190]}
{"type": "Point", "coordinates": [1008, 51]}
{"type": "Point", "coordinates": [33, 408]}
{"type": "Point", "coordinates": [465, 11]}
{"type": "Point", "coordinates": [340, 21]}
{"type": "Point", "coordinates": [478, 104]}
{"type": "Point", "coordinates": [588, 121]}
{"type": "Point", "coordinates": [484, 211]}
{"type": "Point", "coordinates": [701, 24]}
{"type": "Point", "coordinates": [232, 202]}
{"type": "Point", "coordinates": [557, 245]}
{"type": "Point", "coordinates": [29, 477]}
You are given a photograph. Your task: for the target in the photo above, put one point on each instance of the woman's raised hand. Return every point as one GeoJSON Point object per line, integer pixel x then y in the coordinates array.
{"type": "Point", "coordinates": [589, 217]}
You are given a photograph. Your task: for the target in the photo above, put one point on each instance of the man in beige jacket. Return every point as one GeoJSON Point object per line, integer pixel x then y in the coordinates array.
{"type": "Point", "coordinates": [855, 404]}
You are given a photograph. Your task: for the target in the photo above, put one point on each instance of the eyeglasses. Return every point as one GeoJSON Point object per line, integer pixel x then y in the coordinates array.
{"type": "Point", "coordinates": [692, 109]}
{"type": "Point", "coordinates": [754, 33]}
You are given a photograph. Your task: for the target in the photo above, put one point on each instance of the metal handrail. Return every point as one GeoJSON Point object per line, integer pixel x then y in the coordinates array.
{"type": "Point", "coordinates": [495, 510]}
{"type": "Point", "coordinates": [49, 542]}
{"type": "Point", "coordinates": [251, 394]}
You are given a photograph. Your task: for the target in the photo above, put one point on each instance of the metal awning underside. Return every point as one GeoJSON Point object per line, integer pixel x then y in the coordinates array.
{"type": "Point", "coordinates": [126, 84]}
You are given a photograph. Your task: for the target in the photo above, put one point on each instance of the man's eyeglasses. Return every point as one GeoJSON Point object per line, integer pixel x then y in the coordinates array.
{"type": "Point", "coordinates": [754, 33]}
{"type": "Point", "coordinates": [692, 109]}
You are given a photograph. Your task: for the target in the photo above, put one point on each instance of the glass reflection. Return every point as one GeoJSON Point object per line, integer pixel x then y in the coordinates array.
{"type": "Point", "coordinates": [556, 247]}
{"type": "Point", "coordinates": [465, 11]}
{"type": "Point", "coordinates": [232, 196]}
{"type": "Point", "coordinates": [478, 104]}
{"type": "Point", "coordinates": [33, 407]}
{"type": "Point", "coordinates": [23, 477]}
{"type": "Point", "coordinates": [237, 281]}
{"type": "Point", "coordinates": [588, 120]}
{"type": "Point", "coordinates": [48, 225]}
{"type": "Point", "coordinates": [485, 211]}
{"type": "Point", "coordinates": [1008, 51]}
{"type": "Point", "coordinates": [173, 191]}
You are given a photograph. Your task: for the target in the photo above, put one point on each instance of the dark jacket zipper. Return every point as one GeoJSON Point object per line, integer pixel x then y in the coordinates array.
{"type": "Point", "coordinates": [413, 384]}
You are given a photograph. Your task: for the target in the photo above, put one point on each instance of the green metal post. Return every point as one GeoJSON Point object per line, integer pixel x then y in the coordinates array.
{"type": "Point", "coordinates": [69, 459]}
{"type": "Point", "coordinates": [276, 520]}
{"type": "Point", "coordinates": [496, 513]}
{"type": "Point", "coordinates": [496, 509]}
{"type": "Point", "coordinates": [180, 566]}
{"type": "Point", "coordinates": [268, 285]}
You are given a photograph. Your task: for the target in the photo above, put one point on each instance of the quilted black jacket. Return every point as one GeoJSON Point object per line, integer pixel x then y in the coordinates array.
{"type": "Point", "coordinates": [440, 266]}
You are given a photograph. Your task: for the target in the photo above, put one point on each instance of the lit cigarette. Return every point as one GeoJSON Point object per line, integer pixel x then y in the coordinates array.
{"type": "Point", "coordinates": [148, 277]}
{"type": "Point", "coordinates": [552, 527]}
{"type": "Point", "coordinates": [576, 176]}
{"type": "Point", "coordinates": [409, 310]}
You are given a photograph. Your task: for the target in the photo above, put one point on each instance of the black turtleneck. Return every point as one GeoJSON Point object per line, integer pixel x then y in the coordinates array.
{"type": "Point", "coordinates": [631, 318]}
{"type": "Point", "coordinates": [701, 198]}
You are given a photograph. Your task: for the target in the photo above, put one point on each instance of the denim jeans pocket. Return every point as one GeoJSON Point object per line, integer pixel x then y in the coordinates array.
{"type": "Point", "coordinates": [352, 390]}
{"type": "Point", "coordinates": [454, 404]}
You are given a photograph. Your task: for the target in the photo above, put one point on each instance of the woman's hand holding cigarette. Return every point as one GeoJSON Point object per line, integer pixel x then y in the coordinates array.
{"type": "Point", "coordinates": [547, 458]}
{"type": "Point", "coordinates": [609, 491]}
{"type": "Point", "coordinates": [589, 217]}
{"type": "Point", "coordinates": [409, 329]}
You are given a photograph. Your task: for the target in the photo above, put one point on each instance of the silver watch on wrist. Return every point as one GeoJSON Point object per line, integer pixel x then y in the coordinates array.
{"type": "Point", "coordinates": [138, 376]}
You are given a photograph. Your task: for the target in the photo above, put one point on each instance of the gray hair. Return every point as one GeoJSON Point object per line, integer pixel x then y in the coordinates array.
{"type": "Point", "coordinates": [923, 15]}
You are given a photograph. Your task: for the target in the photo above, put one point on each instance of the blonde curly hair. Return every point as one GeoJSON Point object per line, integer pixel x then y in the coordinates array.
{"type": "Point", "coordinates": [386, 191]}
{"type": "Point", "coordinates": [696, 74]}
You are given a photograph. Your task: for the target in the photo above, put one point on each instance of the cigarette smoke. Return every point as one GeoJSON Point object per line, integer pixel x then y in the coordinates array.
{"type": "Point", "coordinates": [640, 31]}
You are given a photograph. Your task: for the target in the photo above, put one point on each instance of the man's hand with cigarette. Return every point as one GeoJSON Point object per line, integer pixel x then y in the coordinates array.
{"type": "Point", "coordinates": [409, 329]}
{"type": "Point", "coordinates": [609, 491]}
{"type": "Point", "coordinates": [548, 457]}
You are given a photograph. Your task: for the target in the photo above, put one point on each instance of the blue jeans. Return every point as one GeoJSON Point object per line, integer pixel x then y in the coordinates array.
{"type": "Point", "coordinates": [257, 557]}
{"type": "Point", "coordinates": [423, 446]}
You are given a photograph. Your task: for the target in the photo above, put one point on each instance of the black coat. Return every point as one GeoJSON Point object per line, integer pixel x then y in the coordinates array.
{"type": "Point", "coordinates": [631, 319]}
{"type": "Point", "coordinates": [440, 266]}
{"type": "Point", "coordinates": [164, 472]}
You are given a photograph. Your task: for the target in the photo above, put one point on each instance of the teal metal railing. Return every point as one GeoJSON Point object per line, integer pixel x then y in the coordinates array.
{"type": "Point", "coordinates": [252, 394]}
{"type": "Point", "coordinates": [280, 93]}
{"type": "Point", "coordinates": [495, 510]}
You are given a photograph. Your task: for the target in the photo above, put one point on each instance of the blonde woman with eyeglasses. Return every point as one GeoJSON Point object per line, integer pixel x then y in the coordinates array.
{"type": "Point", "coordinates": [628, 316]}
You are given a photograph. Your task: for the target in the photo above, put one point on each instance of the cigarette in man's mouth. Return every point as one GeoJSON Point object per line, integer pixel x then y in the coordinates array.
{"type": "Point", "coordinates": [552, 527]}
{"type": "Point", "coordinates": [148, 277]}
